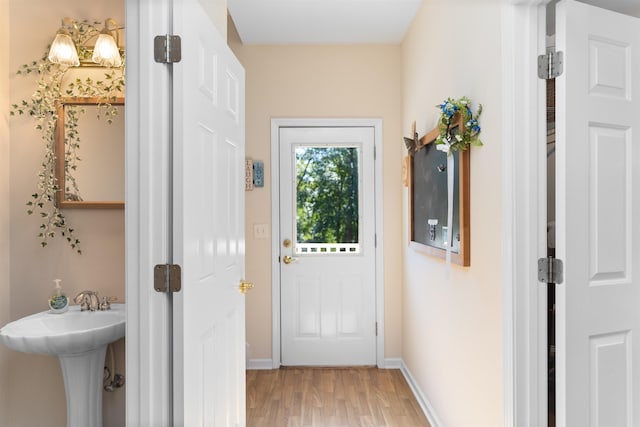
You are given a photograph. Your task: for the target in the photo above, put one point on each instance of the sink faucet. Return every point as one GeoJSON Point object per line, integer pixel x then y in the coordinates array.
{"type": "Point", "coordinates": [88, 300]}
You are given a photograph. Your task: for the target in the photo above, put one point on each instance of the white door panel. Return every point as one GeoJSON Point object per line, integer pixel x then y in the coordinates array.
{"type": "Point", "coordinates": [209, 334]}
{"type": "Point", "coordinates": [597, 199]}
{"type": "Point", "coordinates": [328, 292]}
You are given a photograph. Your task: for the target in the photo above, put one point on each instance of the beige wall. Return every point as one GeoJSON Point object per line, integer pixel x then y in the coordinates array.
{"type": "Point", "coordinates": [36, 381]}
{"type": "Point", "coordinates": [217, 11]}
{"type": "Point", "coordinates": [452, 326]}
{"type": "Point", "coordinates": [5, 225]}
{"type": "Point", "coordinates": [319, 81]}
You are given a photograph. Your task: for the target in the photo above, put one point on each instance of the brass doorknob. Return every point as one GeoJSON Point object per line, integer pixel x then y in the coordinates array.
{"type": "Point", "coordinates": [245, 286]}
{"type": "Point", "coordinates": [288, 259]}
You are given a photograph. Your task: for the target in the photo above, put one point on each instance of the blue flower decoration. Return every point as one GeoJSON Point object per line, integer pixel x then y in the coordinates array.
{"type": "Point", "coordinates": [473, 125]}
{"type": "Point", "coordinates": [470, 132]}
{"type": "Point", "coordinates": [449, 109]}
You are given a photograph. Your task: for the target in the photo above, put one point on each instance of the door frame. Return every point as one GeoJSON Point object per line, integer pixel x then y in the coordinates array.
{"type": "Point", "coordinates": [276, 124]}
{"type": "Point", "coordinates": [523, 213]}
{"type": "Point", "coordinates": [148, 348]}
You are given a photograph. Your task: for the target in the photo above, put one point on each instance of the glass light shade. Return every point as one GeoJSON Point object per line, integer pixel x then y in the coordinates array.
{"type": "Point", "coordinates": [106, 52]}
{"type": "Point", "coordinates": [63, 51]}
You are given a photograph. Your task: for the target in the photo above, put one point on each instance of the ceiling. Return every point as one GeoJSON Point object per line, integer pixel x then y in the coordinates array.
{"type": "Point", "coordinates": [344, 21]}
{"type": "Point", "coordinates": [628, 7]}
{"type": "Point", "coordinates": [322, 21]}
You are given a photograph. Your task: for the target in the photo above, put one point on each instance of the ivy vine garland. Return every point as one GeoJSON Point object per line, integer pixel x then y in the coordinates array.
{"type": "Point", "coordinates": [450, 110]}
{"type": "Point", "coordinates": [42, 106]}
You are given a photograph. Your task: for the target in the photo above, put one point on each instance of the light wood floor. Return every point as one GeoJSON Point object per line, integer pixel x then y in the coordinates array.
{"type": "Point", "coordinates": [331, 397]}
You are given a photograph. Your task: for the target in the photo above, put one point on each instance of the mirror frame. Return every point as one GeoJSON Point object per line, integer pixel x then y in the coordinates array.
{"type": "Point", "coordinates": [61, 201]}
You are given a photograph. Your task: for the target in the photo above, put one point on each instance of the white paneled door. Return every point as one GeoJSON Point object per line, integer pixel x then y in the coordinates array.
{"type": "Point", "coordinates": [598, 217]}
{"type": "Point", "coordinates": [327, 246]}
{"type": "Point", "coordinates": [209, 322]}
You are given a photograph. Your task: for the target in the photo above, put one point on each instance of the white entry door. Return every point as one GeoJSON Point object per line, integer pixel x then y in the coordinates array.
{"type": "Point", "coordinates": [327, 241]}
{"type": "Point", "coordinates": [209, 322]}
{"type": "Point", "coordinates": [598, 217]}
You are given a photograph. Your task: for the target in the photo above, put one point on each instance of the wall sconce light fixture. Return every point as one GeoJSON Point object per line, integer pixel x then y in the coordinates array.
{"type": "Point", "coordinates": [106, 51]}
{"type": "Point", "coordinates": [72, 37]}
{"type": "Point", "coordinates": [63, 50]}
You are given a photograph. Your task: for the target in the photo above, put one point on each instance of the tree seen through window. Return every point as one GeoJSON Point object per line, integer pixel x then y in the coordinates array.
{"type": "Point", "coordinates": [327, 194]}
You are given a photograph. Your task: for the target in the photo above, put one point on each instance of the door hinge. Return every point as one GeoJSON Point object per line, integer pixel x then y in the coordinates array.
{"type": "Point", "coordinates": [167, 49]}
{"type": "Point", "coordinates": [376, 328]}
{"type": "Point", "coordinates": [550, 270]}
{"type": "Point", "coordinates": [167, 278]}
{"type": "Point", "coordinates": [375, 152]}
{"type": "Point", "coordinates": [550, 65]}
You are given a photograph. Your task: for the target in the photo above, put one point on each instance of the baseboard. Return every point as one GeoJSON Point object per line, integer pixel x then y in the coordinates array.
{"type": "Point", "coordinates": [259, 364]}
{"type": "Point", "coordinates": [391, 363]}
{"type": "Point", "coordinates": [424, 403]}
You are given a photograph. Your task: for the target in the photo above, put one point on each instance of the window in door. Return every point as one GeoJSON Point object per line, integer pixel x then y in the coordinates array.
{"type": "Point", "coordinates": [327, 200]}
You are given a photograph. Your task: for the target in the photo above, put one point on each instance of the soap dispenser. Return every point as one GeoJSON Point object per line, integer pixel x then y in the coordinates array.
{"type": "Point", "coordinates": [59, 303]}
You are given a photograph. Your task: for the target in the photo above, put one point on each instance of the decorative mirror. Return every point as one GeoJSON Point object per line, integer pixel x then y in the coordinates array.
{"type": "Point", "coordinates": [89, 146]}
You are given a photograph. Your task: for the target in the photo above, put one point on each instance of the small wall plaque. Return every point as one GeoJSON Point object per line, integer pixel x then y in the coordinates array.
{"type": "Point", "coordinates": [248, 174]}
{"type": "Point", "coordinates": [258, 174]}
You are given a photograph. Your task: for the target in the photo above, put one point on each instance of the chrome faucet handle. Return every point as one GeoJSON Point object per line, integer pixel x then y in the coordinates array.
{"type": "Point", "coordinates": [94, 301]}
{"type": "Point", "coordinates": [105, 305]}
{"type": "Point", "coordinates": [80, 296]}
{"type": "Point", "coordinates": [88, 300]}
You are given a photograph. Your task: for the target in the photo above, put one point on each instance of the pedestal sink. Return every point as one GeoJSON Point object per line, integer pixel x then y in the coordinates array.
{"type": "Point", "coordinates": [79, 340]}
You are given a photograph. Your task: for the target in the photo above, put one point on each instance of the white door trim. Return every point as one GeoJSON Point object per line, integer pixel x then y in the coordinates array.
{"type": "Point", "coordinates": [523, 213]}
{"type": "Point", "coordinates": [276, 124]}
{"type": "Point", "coordinates": [148, 354]}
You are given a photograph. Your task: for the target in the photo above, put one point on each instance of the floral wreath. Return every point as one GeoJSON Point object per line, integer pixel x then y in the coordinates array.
{"type": "Point", "coordinates": [450, 110]}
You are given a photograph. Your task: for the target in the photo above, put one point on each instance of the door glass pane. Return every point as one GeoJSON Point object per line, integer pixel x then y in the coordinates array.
{"type": "Point", "coordinates": [327, 200]}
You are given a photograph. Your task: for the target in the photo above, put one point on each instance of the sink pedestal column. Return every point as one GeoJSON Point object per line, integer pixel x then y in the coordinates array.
{"type": "Point", "coordinates": [83, 375]}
